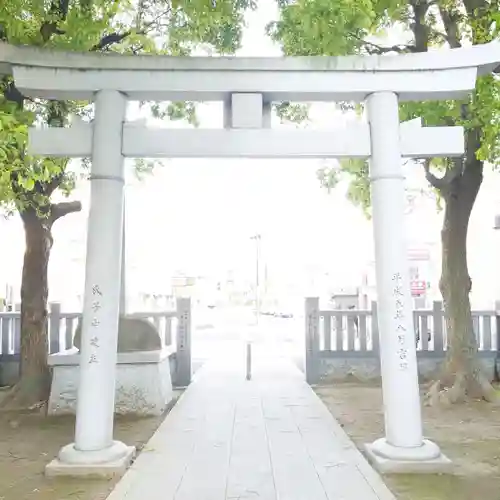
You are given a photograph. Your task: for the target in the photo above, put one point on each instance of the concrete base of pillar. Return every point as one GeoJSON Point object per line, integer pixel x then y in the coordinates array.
{"type": "Point", "coordinates": [426, 459]}
{"type": "Point", "coordinates": [112, 461]}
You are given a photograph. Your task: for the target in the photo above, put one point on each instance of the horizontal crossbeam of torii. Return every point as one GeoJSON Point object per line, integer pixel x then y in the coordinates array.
{"type": "Point", "coordinates": [351, 142]}
{"type": "Point", "coordinates": [248, 86]}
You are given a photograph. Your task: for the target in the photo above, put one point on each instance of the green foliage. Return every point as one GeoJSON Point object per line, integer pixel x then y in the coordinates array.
{"type": "Point", "coordinates": [295, 113]}
{"type": "Point", "coordinates": [356, 173]}
{"type": "Point", "coordinates": [344, 27]}
{"type": "Point", "coordinates": [174, 27]}
{"type": "Point", "coordinates": [484, 112]}
{"type": "Point", "coordinates": [175, 111]}
{"type": "Point", "coordinates": [20, 175]}
{"type": "Point", "coordinates": [321, 27]}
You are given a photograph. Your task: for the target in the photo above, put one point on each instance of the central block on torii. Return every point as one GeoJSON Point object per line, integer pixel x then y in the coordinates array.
{"type": "Point", "coordinates": [247, 111]}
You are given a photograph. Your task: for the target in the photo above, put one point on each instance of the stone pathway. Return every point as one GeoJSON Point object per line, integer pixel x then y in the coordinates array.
{"type": "Point", "coordinates": [269, 439]}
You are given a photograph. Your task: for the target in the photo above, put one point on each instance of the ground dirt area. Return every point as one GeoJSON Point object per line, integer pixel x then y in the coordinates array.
{"type": "Point", "coordinates": [468, 434]}
{"type": "Point", "coordinates": [29, 441]}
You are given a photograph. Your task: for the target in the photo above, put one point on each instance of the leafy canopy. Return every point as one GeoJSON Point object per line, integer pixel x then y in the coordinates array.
{"type": "Point", "coordinates": [346, 27]}
{"type": "Point", "coordinates": [172, 27]}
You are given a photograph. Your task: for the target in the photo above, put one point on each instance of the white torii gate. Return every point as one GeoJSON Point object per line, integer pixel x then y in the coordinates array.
{"type": "Point", "coordinates": [247, 86]}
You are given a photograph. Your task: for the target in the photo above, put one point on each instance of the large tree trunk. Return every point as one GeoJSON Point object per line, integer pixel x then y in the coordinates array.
{"type": "Point", "coordinates": [34, 383]}
{"type": "Point", "coordinates": [461, 377]}
{"type": "Point", "coordinates": [33, 388]}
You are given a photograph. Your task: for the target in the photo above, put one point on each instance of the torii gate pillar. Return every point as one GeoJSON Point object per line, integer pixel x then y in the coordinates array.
{"type": "Point", "coordinates": [403, 449]}
{"type": "Point", "coordinates": [103, 300]}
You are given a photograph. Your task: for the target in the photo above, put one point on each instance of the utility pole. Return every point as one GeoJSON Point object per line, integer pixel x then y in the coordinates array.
{"type": "Point", "coordinates": [257, 238]}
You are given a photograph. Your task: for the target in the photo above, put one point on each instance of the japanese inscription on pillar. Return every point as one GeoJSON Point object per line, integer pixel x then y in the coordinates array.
{"type": "Point", "coordinates": [312, 333]}
{"type": "Point", "coordinates": [399, 317]}
{"type": "Point", "coordinates": [184, 318]}
{"type": "Point", "coordinates": [96, 307]}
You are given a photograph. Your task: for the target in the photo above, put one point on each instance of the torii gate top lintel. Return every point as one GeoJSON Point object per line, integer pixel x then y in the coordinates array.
{"type": "Point", "coordinates": [438, 74]}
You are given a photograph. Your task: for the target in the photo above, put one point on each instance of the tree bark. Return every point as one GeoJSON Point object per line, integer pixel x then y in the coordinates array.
{"type": "Point", "coordinates": [462, 377]}
{"type": "Point", "coordinates": [34, 383]}
{"type": "Point", "coordinates": [32, 389]}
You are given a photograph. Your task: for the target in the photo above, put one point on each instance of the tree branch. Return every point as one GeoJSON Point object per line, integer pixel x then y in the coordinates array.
{"type": "Point", "coordinates": [107, 40]}
{"type": "Point", "coordinates": [58, 210]}
{"type": "Point", "coordinates": [53, 184]}
{"type": "Point", "coordinates": [434, 181]}
{"type": "Point", "coordinates": [58, 11]}
{"type": "Point", "coordinates": [438, 34]}
{"type": "Point", "coordinates": [12, 94]}
{"type": "Point", "coordinates": [452, 173]}
{"type": "Point", "coordinates": [419, 26]}
{"type": "Point", "coordinates": [373, 48]}
{"type": "Point", "coordinates": [455, 171]}
{"type": "Point", "coordinates": [450, 20]}
{"type": "Point", "coordinates": [475, 8]}
{"type": "Point", "coordinates": [14, 181]}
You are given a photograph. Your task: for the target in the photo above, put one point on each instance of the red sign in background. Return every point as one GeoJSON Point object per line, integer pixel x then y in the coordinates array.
{"type": "Point", "coordinates": [418, 287]}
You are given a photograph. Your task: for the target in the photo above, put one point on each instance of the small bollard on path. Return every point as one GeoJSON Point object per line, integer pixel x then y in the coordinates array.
{"type": "Point", "coordinates": [249, 361]}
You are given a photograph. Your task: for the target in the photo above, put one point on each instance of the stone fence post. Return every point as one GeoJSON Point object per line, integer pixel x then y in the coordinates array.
{"type": "Point", "coordinates": [374, 329]}
{"type": "Point", "coordinates": [54, 327]}
{"type": "Point", "coordinates": [497, 334]}
{"type": "Point", "coordinates": [437, 330]}
{"type": "Point", "coordinates": [183, 355]}
{"type": "Point", "coordinates": [312, 340]}
{"type": "Point", "coordinates": [17, 329]}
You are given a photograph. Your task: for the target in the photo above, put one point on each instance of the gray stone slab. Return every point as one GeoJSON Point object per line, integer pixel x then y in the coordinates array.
{"type": "Point", "coordinates": [159, 469]}
{"type": "Point", "coordinates": [205, 476]}
{"type": "Point", "coordinates": [295, 475]}
{"type": "Point", "coordinates": [269, 438]}
{"type": "Point", "coordinates": [337, 471]}
{"type": "Point", "coordinates": [250, 471]}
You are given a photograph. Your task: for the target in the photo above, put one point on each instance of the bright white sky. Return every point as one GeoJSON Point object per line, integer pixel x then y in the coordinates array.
{"type": "Point", "coordinates": [197, 216]}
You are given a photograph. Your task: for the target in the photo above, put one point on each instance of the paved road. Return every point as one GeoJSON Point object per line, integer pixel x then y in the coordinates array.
{"type": "Point", "coordinates": [268, 439]}
{"type": "Point", "coordinates": [224, 331]}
